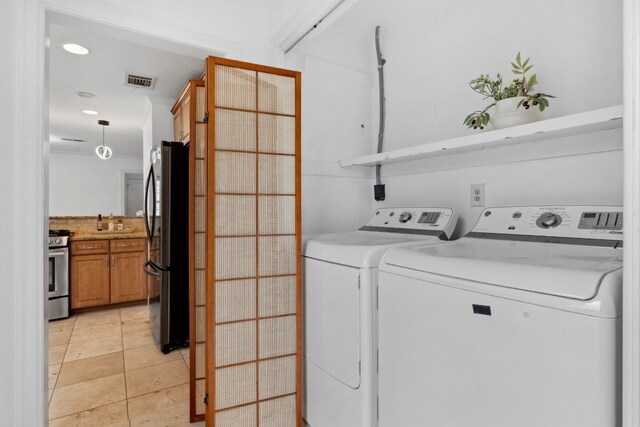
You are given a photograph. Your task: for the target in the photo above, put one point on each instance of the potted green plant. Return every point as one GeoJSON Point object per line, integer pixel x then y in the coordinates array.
{"type": "Point", "coordinates": [508, 99]}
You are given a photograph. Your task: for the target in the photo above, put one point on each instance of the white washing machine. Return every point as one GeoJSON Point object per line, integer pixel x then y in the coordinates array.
{"type": "Point", "coordinates": [340, 271]}
{"type": "Point", "coordinates": [516, 324]}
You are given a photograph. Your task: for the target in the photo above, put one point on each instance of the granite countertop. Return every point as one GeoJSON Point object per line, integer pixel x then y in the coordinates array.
{"type": "Point", "coordinates": [103, 235]}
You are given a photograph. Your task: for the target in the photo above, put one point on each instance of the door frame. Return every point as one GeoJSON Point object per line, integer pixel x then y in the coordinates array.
{"type": "Point", "coordinates": [631, 205]}
{"type": "Point", "coordinates": [30, 189]}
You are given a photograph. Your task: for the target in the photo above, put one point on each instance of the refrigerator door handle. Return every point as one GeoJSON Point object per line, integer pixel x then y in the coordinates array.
{"type": "Point", "coordinates": [150, 181]}
{"type": "Point", "coordinates": [157, 267]}
{"type": "Point", "coordinates": [150, 269]}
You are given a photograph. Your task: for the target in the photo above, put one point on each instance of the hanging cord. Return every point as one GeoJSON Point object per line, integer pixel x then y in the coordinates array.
{"type": "Point", "coordinates": [378, 189]}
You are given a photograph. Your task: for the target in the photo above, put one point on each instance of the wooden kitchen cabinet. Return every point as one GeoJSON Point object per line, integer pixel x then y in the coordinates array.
{"type": "Point", "coordinates": [90, 280]}
{"type": "Point", "coordinates": [90, 247]}
{"type": "Point", "coordinates": [177, 126]}
{"type": "Point", "coordinates": [107, 272]}
{"type": "Point", "coordinates": [128, 279]}
{"type": "Point", "coordinates": [182, 117]}
{"type": "Point", "coordinates": [185, 114]}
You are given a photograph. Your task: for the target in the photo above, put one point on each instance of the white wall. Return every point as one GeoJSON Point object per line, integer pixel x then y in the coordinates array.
{"type": "Point", "coordinates": [87, 185]}
{"type": "Point", "coordinates": [157, 127]}
{"type": "Point", "coordinates": [334, 125]}
{"type": "Point", "coordinates": [147, 138]}
{"type": "Point", "coordinates": [9, 193]}
{"type": "Point", "coordinates": [432, 50]}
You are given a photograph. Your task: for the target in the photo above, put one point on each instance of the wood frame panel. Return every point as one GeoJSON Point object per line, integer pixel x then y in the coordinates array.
{"type": "Point", "coordinates": [210, 79]}
{"type": "Point", "coordinates": [191, 92]}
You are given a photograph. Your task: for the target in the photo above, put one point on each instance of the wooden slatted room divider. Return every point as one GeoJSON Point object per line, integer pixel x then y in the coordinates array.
{"type": "Point", "coordinates": [253, 205]}
{"type": "Point", "coordinates": [197, 238]}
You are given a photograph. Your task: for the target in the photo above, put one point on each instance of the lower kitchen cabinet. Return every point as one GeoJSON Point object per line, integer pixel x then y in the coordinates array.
{"type": "Point", "coordinates": [128, 279]}
{"type": "Point", "coordinates": [90, 280]}
{"type": "Point", "coordinates": [113, 276]}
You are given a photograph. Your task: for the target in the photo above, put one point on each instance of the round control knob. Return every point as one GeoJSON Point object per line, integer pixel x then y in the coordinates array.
{"type": "Point", "coordinates": [50, 241]}
{"type": "Point", "coordinates": [58, 240]}
{"type": "Point", "coordinates": [404, 217]}
{"type": "Point", "coordinates": [549, 220]}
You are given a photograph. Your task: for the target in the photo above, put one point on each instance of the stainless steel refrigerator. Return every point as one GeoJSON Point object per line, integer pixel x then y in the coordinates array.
{"type": "Point", "coordinates": [167, 226]}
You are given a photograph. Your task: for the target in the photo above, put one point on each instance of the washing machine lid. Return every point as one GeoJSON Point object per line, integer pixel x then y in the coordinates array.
{"type": "Point", "coordinates": [360, 249]}
{"type": "Point", "coordinates": [563, 270]}
{"type": "Point", "coordinates": [387, 228]}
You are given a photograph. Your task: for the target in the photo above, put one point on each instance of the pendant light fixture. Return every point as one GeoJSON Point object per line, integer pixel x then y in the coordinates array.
{"type": "Point", "coordinates": [103, 151]}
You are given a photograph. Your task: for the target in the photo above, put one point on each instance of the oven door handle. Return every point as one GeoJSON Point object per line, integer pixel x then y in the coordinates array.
{"type": "Point", "coordinates": [57, 253]}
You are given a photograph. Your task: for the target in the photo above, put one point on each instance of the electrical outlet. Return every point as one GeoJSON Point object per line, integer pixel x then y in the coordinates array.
{"type": "Point", "coordinates": [477, 195]}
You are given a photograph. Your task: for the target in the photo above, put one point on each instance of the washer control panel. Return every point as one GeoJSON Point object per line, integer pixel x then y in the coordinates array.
{"type": "Point", "coordinates": [412, 220]}
{"type": "Point", "coordinates": [597, 222]}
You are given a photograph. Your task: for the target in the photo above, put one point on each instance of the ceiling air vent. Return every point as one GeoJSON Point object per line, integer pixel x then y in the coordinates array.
{"type": "Point", "coordinates": [135, 80]}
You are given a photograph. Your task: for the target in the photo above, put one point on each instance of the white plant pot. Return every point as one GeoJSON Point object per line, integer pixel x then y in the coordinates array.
{"type": "Point", "coordinates": [507, 114]}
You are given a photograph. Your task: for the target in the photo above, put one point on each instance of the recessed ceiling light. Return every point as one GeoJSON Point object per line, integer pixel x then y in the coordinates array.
{"type": "Point", "coordinates": [75, 48]}
{"type": "Point", "coordinates": [86, 94]}
{"type": "Point", "coordinates": [91, 112]}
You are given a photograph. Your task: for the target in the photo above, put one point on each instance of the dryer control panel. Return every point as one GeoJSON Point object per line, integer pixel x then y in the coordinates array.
{"type": "Point", "coordinates": [582, 222]}
{"type": "Point", "coordinates": [433, 221]}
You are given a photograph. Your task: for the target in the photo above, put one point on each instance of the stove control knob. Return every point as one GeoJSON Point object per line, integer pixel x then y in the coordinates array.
{"type": "Point", "coordinates": [58, 240]}
{"type": "Point", "coordinates": [404, 217]}
{"type": "Point", "coordinates": [50, 241]}
{"type": "Point", "coordinates": [548, 220]}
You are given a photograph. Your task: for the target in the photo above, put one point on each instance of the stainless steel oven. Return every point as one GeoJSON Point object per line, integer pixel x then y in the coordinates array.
{"type": "Point", "coordinates": [58, 275]}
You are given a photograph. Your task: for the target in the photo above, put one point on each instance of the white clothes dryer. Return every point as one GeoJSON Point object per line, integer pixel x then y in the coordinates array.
{"type": "Point", "coordinates": [340, 271]}
{"type": "Point", "coordinates": [516, 324]}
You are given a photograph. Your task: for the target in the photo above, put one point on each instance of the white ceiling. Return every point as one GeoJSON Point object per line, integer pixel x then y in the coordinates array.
{"type": "Point", "coordinates": [113, 52]}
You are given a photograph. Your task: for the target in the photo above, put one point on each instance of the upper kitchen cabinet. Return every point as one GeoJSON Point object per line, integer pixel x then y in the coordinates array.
{"type": "Point", "coordinates": [187, 111]}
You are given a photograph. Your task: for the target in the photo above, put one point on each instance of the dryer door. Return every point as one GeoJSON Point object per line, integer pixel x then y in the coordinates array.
{"type": "Point", "coordinates": [332, 319]}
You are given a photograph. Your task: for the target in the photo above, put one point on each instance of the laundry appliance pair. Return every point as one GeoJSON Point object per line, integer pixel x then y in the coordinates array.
{"type": "Point", "coordinates": [518, 323]}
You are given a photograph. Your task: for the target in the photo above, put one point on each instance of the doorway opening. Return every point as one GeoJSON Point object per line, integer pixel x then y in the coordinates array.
{"type": "Point", "coordinates": [133, 194]}
{"type": "Point", "coordinates": [140, 118]}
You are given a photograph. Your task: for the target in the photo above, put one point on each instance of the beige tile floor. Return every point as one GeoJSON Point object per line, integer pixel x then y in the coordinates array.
{"type": "Point", "coordinates": [105, 370]}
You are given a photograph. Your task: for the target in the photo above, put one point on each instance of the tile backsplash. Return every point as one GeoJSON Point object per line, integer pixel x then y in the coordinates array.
{"type": "Point", "coordinates": [87, 224]}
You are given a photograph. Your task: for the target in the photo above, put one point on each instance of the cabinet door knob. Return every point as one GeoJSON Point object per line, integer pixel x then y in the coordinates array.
{"type": "Point", "coordinates": [113, 262]}
{"type": "Point", "coordinates": [106, 263]}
